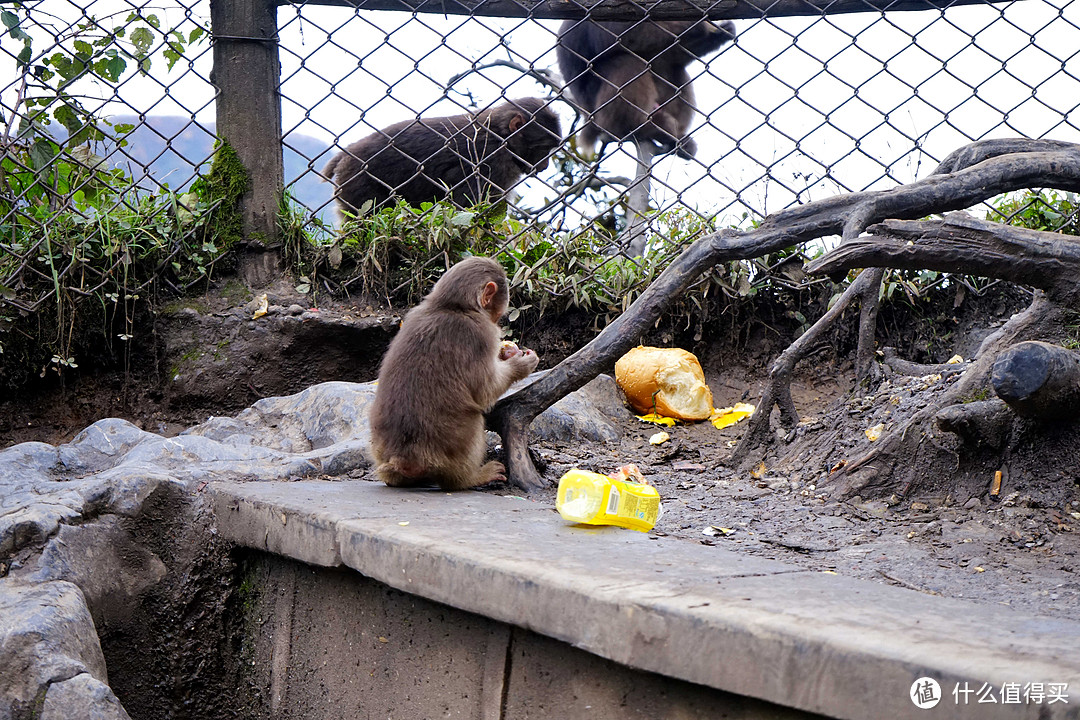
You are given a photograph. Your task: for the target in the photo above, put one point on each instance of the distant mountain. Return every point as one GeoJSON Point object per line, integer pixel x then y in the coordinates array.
{"type": "Point", "coordinates": [169, 149]}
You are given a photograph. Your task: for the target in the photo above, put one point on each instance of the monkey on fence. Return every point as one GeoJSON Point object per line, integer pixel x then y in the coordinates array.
{"type": "Point", "coordinates": [631, 77]}
{"type": "Point", "coordinates": [444, 369]}
{"type": "Point", "coordinates": [466, 158]}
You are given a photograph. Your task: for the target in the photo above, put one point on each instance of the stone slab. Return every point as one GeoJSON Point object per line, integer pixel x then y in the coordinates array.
{"type": "Point", "coordinates": [818, 642]}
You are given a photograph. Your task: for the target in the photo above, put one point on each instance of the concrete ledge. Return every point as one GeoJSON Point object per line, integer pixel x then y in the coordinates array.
{"type": "Point", "coordinates": [813, 641]}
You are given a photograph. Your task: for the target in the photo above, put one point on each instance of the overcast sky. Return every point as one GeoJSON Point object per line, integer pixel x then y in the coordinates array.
{"type": "Point", "coordinates": [794, 110]}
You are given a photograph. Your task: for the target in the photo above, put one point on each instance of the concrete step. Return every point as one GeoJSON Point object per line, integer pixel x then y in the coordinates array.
{"type": "Point", "coordinates": [814, 641]}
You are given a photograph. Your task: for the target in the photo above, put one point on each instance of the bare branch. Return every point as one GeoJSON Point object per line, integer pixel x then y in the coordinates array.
{"type": "Point", "coordinates": [964, 244]}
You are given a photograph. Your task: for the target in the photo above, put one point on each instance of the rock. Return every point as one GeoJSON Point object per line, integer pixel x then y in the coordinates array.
{"type": "Point", "coordinates": [294, 309]}
{"type": "Point", "coordinates": [110, 568]}
{"type": "Point", "coordinates": [47, 634]}
{"type": "Point", "coordinates": [82, 697]}
{"type": "Point", "coordinates": [584, 415]}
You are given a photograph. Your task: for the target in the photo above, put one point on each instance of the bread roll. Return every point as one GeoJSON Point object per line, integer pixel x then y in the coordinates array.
{"type": "Point", "coordinates": [670, 377]}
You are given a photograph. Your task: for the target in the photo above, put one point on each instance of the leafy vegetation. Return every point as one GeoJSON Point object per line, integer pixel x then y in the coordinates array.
{"type": "Point", "coordinates": [1048, 210]}
{"type": "Point", "coordinates": [81, 244]}
{"type": "Point", "coordinates": [396, 254]}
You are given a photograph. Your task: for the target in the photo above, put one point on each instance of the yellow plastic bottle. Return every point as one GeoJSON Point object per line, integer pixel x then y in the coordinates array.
{"type": "Point", "coordinates": [594, 499]}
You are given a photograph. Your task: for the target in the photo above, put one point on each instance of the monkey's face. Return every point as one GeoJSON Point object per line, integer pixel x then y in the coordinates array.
{"type": "Point", "coordinates": [533, 142]}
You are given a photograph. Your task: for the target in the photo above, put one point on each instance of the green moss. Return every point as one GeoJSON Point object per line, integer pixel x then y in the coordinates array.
{"type": "Point", "coordinates": [236, 292]}
{"type": "Point", "coordinates": [185, 361]}
{"type": "Point", "coordinates": [225, 184]}
{"type": "Point", "coordinates": [197, 304]}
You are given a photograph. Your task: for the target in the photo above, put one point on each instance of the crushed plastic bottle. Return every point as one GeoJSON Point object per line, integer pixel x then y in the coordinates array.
{"type": "Point", "coordinates": [594, 499]}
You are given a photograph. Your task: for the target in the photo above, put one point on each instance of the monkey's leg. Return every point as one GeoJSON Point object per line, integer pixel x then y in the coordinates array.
{"type": "Point", "coordinates": [624, 104]}
{"type": "Point", "coordinates": [466, 470]}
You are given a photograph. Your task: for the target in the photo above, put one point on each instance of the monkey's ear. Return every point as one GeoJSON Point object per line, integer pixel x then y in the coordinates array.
{"type": "Point", "coordinates": [516, 122]}
{"type": "Point", "coordinates": [488, 294]}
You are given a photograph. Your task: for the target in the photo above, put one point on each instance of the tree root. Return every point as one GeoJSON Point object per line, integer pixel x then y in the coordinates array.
{"type": "Point", "coordinates": [1056, 165]}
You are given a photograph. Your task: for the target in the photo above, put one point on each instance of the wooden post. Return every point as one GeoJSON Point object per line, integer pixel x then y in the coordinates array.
{"type": "Point", "coordinates": [247, 72]}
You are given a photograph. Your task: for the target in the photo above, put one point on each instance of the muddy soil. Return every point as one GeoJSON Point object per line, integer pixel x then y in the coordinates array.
{"type": "Point", "coordinates": [1021, 550]}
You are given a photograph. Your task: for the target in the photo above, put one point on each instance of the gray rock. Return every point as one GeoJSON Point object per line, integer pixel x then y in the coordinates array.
{"type": "Point", "coordinates": [46, 637]}
{"type": "Point", "coordinates": [110, 568]}
{"type": "Point", "coordinates": [82, 697]}
{"type": "Point", "coordinates": [587, 414]}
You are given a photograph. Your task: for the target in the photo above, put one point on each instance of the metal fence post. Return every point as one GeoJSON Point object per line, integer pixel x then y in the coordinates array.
{"type": "Point", "coordinates": [247, 70]}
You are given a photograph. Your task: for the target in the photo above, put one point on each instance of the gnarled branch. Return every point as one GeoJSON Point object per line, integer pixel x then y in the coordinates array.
{"type": "Point", "coordinates": [1059, 168]}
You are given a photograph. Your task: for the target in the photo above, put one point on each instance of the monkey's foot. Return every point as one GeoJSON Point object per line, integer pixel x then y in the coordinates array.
{"type": "Point", "coordinates": [491, 472]}
{"type": "Point", "coordinates": [686, 149]}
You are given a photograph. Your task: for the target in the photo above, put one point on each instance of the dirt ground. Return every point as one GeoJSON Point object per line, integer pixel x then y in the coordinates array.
{"type": "Point", "coordinates": [1016, 551]}
{"type": "Point", "coordinates": [1022, 550]}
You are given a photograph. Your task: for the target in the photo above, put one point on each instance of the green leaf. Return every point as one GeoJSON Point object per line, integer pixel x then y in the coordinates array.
{"type": "Point", "coordinates": [142, 38]}
{"type": "Point", "coordinates": [42, 153]}
{"type": "Point", "coordinates": [9, 19]}
{"type": "Point", "coordinates": [196, 34]}
{"type": "Point", "coordinates": [83, 49]}
{"type": "Point", "coordinates": [171, 55]}
{"type": "Point", "coordinates": [67, 117]}
{"type": "Point", "coordinates": [116, 68]}
{"type": "Point", "coordinates": [153, 20]}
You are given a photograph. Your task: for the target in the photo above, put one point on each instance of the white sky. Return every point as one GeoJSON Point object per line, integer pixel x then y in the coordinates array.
{"type": "Point", "coordinates": [781, 121]}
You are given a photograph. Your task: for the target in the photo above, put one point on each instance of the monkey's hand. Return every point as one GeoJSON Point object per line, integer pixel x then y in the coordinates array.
{"type": "Point", "coordinates": [523, 362]}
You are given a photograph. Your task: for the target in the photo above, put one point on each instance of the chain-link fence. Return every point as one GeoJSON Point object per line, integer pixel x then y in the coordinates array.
{"type": "Point", "coordinates": [105, 116]}
{"type": "Point", "coordinates": [793, 109]}
{"type": "Point", "coordinates": [790, 108]}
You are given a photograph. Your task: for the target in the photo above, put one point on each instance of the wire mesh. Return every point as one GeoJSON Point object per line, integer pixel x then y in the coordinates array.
{"type": "Point", "coordinates": [105, 113]}
{"type": "Point", "coordinates": [793, 109]}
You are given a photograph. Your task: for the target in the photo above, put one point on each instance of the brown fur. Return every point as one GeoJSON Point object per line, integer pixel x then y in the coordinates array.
{"type": "Point", "coordinates": [631, 77]}
{"type": "Point", "coordinates": [442, 372]}
{"type": "Point", "coordinates": [466, 158]}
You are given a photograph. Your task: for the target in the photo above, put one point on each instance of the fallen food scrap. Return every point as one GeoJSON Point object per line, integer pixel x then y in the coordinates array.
{"type": "Point", "coordinates": [875, 432]}
{"type": "Point", "coordinates": [657, 419]}
{"type": "Point", "coordinates": [659, 438]}
{"type": "Point", "coordinates": [594, 499]}
{"type": "Point", "coordinates": [715, 531]}
{"type": "Point", "coordinates": [665, 381]}
{"type": "Point", "coordinates": [263, 307]}
{"type": "Point", "coordinates": [629, 473]}
{"type": "Point", "coordinates": [723, 417]}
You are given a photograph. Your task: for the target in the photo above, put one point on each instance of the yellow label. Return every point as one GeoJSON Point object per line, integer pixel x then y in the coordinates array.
{"type": "Point", "coordinates": [595, 499]}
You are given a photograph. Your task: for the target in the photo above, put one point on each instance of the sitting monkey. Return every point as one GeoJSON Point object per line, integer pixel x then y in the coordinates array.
{"type": "Point", "coordinates": [466, 158]}
{"type": "Point", "coordinates": [444, 369]}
